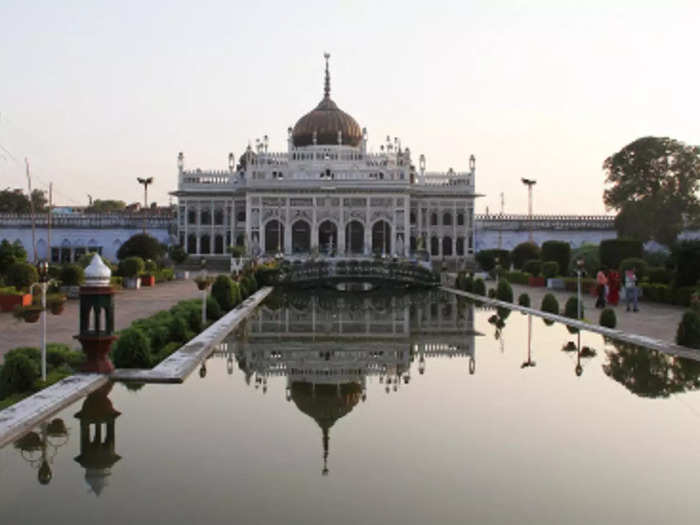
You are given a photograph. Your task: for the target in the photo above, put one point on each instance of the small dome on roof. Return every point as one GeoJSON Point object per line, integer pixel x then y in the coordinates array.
{"type": "Point", "coordinates": [97, 273]}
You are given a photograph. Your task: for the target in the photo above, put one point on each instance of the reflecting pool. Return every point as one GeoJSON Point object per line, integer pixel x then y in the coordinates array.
{"type": "Point", "coordinates": [372, 408]}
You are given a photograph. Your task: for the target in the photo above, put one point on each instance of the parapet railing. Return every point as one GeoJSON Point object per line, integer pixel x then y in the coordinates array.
{"type": "Point", "coordinates": [69, 220]}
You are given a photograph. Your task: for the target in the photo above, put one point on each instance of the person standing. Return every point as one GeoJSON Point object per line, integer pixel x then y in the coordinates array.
{"type": "Point", "coordinates": [631, 289]}
{"type": "Point", "coordinates": [602, 281]}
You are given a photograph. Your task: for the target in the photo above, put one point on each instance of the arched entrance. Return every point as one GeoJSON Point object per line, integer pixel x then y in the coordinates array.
{"type": "Point", "coordinates": [327, 237]}
{"type": "Point", "coordinates": [301, 237]}
{"type": "Point", "coordinates": [219, 244]}
{"type": "Point", "coordinates": [447, 246]}
{"type": "Point", "coordinates": [274, 236]}
{"type": "Point", "coordinates": [354, 238]}
{"type": "Point", "coordinates": [205, 244]}
{"type": "Point", "coordinates": [191, 243]}
{"type": "Point", "coordinates": [381, 237]}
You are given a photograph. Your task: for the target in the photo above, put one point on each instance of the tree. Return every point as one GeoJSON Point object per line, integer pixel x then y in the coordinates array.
{"type": "Point", "coordinates": [654, 181]}
{"type": "Point", "coordinates": [15, 201]}
{"type": "Point", "coordinates": [105, 206]}
{"type": "Point", "coordinates": [141, 245]}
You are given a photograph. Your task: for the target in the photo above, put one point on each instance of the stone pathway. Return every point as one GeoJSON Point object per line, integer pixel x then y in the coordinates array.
{"type": "Point", "coordinates": [130, 305]}
{"type": "Point", "coordinates": [656, 320]}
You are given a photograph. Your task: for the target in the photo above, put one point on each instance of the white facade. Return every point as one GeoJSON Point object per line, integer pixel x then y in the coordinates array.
{"type": "Point", "coordinates": [327, 196]}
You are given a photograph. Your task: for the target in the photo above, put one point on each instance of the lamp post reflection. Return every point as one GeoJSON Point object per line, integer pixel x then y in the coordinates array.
{"type": "Point", "coordinates": [529, 362]}
{"type": "Point", "coordinates": [40, 448]}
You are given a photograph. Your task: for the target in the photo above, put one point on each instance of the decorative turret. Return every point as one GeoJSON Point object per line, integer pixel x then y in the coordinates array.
{"type": "Point", "coordinates": [97, 317]}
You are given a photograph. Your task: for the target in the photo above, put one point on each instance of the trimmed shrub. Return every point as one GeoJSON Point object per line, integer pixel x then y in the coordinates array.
{"type": "Point", "coordinates": [141, 245]}
{"type": "Point", "coordinates": [523, 252]}
{"type": "Point", "coordinates": [613, 251]}
{"type": "Point", "coordinates": [21, 275]}
{"type": "Point", "coordinates": [72, 275]}
{"type": "Point", "coordinates": [177, 253]}
{"type": "Point", "coordinates": [132, 350]}
{"type": "Point", "coordinates": [608, 318]}
{"type": "Point", "coordinates": [179, 329]}
{"type": "Point", "coordinates": [222, 291]}
{"type": "Point", "coordinates": [504, 291]}
{"type": "Point", "coordinates": [131, 267]}
{"type": "Point", "coordinates": [165, 274]}
{"type": "Point", "coordinates": [150, 267]}
{"type": "Point", "coordinates": [213, 309]}
{"type": "Point", "coordinates": [479, 287]}
{"type": "Point", "coordinates": [492, 293]}
{"type": "Point", "coordinates": [58, 355]}
{"type": "Point", "coordinates": [533, 267]}
{"type": "Point", "coordinates": [685, 256]}
{"type": "Point", "coordinates": [550, 269]}
{"type": "Point", "coordinates": [487, 258]}
{"type": "Point", "coordinates": [459, 280]}
{"type": "Point", "coordinates": [524, 300]}
{"type": "Point", "coordinates": [571, 308]}
{"type": "Point", "coordinates": [660, 275]}
{"type": "Point", "coordinates": [550, 304]}
{"type": "Point", "coordinates": [517, 277]}
{"type": "Point", "coordinates": [590, 255]}
{"type": "Point", "coordinates": [10, 253]}
{"type": "Point", "coordinates": [559, 251]}
{"type": "Point", "coordinates": [688, 333]}
{"type": "Point", "coordinates": [642, 270]}
{"type": "Point", "coordinates": [18, 374]}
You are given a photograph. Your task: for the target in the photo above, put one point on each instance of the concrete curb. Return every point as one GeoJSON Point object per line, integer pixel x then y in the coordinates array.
{"type": "Point", "coordinates": [650, 342]}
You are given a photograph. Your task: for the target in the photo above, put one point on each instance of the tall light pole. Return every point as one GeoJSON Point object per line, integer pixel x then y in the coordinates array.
{"type": "Point", "coordinates": [529, 183]}
{"type": "Point", "coordinates": [145, 183]}
{"type": "Point", "coordinates": [579, 270]}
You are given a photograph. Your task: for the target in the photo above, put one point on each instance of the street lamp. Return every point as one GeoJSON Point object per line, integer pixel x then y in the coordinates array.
{"type": "Point", "coordinates": [579, 270]}
{"type": "Point", "coordinates": [497, 261]}
{"type": "Point", "coordinates": [43, 284]}
{"type": "Point", "coordinates": [203, 266]}
{"type": "Point", "coordinates": [529, 183]}
{"type": "Point", "coordinates": [145, 183]}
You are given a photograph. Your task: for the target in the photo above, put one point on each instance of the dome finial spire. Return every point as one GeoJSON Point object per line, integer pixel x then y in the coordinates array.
{"type": "Point", "coordinates": [327, 85]}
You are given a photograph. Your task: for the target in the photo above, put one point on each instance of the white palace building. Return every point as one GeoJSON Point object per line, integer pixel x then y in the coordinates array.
{"type": "Point", "coordinates": [327, 194]}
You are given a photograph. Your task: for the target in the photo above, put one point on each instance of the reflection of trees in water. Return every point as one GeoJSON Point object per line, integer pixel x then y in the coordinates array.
{"type": "Point", "coordinates": [649, 373]}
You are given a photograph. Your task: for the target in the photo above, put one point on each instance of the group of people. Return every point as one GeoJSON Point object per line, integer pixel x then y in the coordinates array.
{"type": "Point", "coordinates": [608, 285]}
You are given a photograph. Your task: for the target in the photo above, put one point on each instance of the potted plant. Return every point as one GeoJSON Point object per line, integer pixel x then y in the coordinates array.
{"type": "Point", "coordinates": [148, 277]}
{"type": "Point", "coordinates": [30, 313]}
{"type": "Point", "coordinates": [56, 302]}
{"type": "Point", "coordinates": [130, 268]}
{"type": "Point", "coordinates": [11, 298]}
{"type": "Point", "coordinates": [203, 282]}
{"type": "Point", "coordinates": [178, 254]}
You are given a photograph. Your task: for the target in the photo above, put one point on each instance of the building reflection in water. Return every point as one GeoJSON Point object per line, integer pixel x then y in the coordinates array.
{"type": "Point", "coordinates": [39, 448]}
{"type": "Point", "coordinates": [327, 345]}
{"type": "Point", "coordinates": [97, 438]}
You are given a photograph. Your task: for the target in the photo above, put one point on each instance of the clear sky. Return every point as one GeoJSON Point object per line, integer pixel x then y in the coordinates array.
{"type": "Point", "coordinates": [96, 94]}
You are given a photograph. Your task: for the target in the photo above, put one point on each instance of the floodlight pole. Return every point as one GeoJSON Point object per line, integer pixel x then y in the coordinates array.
{"type": "Point", "coordinates": [529, 183]}
{"type": "Point", "coordinates": [145, 183]}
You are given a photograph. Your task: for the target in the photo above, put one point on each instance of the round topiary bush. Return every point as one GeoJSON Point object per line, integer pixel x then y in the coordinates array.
{"type": "Point", "coordinates": [177, 253]}
{"type": "Point", "coordinates": [524, 300]}
{"type": "Point", "coordinates": [131, 267]}
{"type": "Point", "coordinates": [571, 308]}
{"type": "Point", "coordinates": [141, 245]}
{"type": "Point", "coordinates": [479, 286]}
{"type": "Point", "coordinates": [18, 374]}
{"type": "Point", "coordinates": [21, 275]}
{"type": "Point", "coordinates": [179, 328]}
{"type": "Point", "coordinates": [72, 275]}
{"type": "Point", "coordinates": [558, 251]}
{"type": "Point", "coordinates": [550, 269]}
{"type": "Point", "coordinates": [608, 318]}
{"type": "Point", "coordinates": [223, 291]}
{"type": "Point", "coordinates": [492, 293]}
{"type": "Point", "coordinates": [150, 267]}
{"type": "Point", "coordinates": [550, 304]}
{"type": "Point", "coordinates": [132, 350]}
{"type": "Point", "coordinates": [688, 333]}
{"type": "Point", "coordinates": [533, 267]}
{"type": "Point", "coordinates": [504, 291]}
{"type": "Point", "coordinates": [213, 309]}
{"type": "Point", "coordinates": [469, 283]}
{"type": "Point", "coordinates": [523, 252]}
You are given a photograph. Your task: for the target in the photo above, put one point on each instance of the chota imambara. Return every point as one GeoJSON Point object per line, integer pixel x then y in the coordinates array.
{"type": "Point", "coordinates": [328, 195]}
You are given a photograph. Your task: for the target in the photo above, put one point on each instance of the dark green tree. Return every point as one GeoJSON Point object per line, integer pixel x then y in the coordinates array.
{"type": "Point", "coordinates": [654, 184]}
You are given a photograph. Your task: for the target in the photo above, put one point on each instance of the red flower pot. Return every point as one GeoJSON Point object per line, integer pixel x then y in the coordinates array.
{"type": "Point", "coordinates": [148, 280]}
{"type": "Point", "coordinates": [10, 302]}
{"type": "Point", "coordinates": [536, 281]}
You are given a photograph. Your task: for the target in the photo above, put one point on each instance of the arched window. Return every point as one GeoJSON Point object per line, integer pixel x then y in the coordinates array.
{"type": "Point", "coordinates": [460, 245]}
{"type": "Point", "coordinates": [240, 216]}
{"type": "Point", "coordinates": [413, 218]}
{"type": "Point", "coordinates": [191, 217]}
{"type": "Point", "coordinates": [433, 219]}
{"type": "Point", "coordinates": [447, 246]}
{"type": "Point", "coordinates": [218, 217]}
{"type": "Point", "coordinates": [206, 217]}
{"type": "Point", "coordinates": [460, 219]}
{"type": "Point", "coordinates": [447, 219]}
{"type": "Point", "coordinates": [434, 246]}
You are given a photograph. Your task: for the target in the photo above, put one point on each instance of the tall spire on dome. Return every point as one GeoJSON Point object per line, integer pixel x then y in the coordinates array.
{"type": "Point", "coordinates": [327, 85]}
{"type": "Point", "coordinates": [326, 439]}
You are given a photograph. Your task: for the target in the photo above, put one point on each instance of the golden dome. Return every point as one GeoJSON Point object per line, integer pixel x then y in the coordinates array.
{"type": "Point", "coordinates": [326, 121]}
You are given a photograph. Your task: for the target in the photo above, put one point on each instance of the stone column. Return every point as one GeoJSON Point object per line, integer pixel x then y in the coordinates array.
{"type": "Point", "coordinates": [287, 229]}
{"type": "Point", "coordinates": [406, 226]}
{"type": "Point", "coordinates": [248, 218]}
{"type": "Point", "coordinates": [187, 221]}
{"type": "Point", "coordinates": [368, 231]}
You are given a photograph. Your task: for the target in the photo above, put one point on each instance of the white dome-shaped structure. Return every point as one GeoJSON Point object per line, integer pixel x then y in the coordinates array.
{"type": "Point", "coordinates": [97, 273]}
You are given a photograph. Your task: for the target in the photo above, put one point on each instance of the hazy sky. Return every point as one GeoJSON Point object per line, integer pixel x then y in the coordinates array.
{"type": "Point", "coordinates": [98, 93]}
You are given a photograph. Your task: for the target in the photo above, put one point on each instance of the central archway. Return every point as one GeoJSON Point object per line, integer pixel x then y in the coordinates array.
{"type": "Point", "coordinates": [327, 237]}
{"type": "Point", "coordinates": [301, 237]}
{"type": "Point", "coordinates": [381, 237]}
{"type": "Point", "coordinates": [354, 238]}
{"type": "Point", "coordinates": [274, 236]}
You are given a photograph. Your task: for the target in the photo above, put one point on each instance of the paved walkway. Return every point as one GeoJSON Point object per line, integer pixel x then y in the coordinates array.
{"type": "Point", "coordinates": [129, 306]}
{"type": "Point", "coordinates": [656, 320]}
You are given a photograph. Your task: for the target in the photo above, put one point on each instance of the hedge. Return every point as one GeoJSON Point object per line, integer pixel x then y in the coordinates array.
{"type": "Point", "coordinates": [685, 255]}
{"type": "Point", "coordinates": [662, 293]}
{"type": "Point", "coordinates": [21, 275]}
{"type": "Point", "coordinates": [559, 251]}
{"type": "Point", "coordinates": [524, 300]}
{"type": "Point", "coordinates": [517, 277]}
{"type": "Point", "coordinates": [504, 291]}
{"type": "Point", "coordinates": [223, 291]}
{"type": "Point", "coordinates": [640, 265]}
{"type": "Point", "coordinates": [479, 287]}
{"type": "Point", "coordinates": [608, 318]}
{"type": "Point", "coordinates": [523, 252]}
{"type": "Point", "coordinates": [614, 251]}
{"type": "Point", "coordinates": [660, 275]}
{"type": "Point", "coordinates": [688, 333]}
